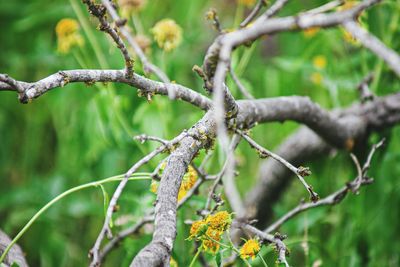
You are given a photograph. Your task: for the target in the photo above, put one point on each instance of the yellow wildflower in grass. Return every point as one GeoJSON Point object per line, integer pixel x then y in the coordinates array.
{"type": "Point", "coordinates": [250, 249]}
{"type": "Point", "coordinates": [319, 62]}
{"type": "Point", "coordinates": [310, 32]}
{"type": "Point", "coordinates": [129, 7]}
{"type": "Point", "coordinates": [248, 3]}
{"type": "Point", "coordinates": [219, 221]}
{"type": "Point", "coordinates": [167, 34]}
{"type": "Point", "coordinates": [67, 35]}
{"type": "Point", "coordinates": [316, 78]}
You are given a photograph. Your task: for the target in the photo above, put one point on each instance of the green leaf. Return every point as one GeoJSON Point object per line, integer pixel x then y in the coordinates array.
{"type": "Point", "coordinates": [218, 259]}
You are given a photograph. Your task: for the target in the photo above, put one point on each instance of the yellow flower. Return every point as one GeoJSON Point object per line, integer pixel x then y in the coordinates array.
{"type": "Point", "coordinates": [220, 221]}
{"type": "Point", "coordinates": [167, 34]}
{"type": "Point", "coordinates": [210, 242]}
{"type": "Point", "coordinates": [197, 229]}
{"type": "Point", "coordinates": [310, 32]}
{"type": "Point", "coordinates": [319, 62]}
{"type": "Point", "coordinates": [250, 249]}
{"type": "Point", "coordinates": [128, 7]}
{"type": "Point", "coordinates": [316, 78]}
{"type": "Point", "coordinates": [247, 3]}
{"type": "Point", "coordinates": [67, 35]}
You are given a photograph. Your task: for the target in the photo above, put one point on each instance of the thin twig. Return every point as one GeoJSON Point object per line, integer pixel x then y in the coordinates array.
{"type": "Point", "coordinates": [147, 65]}
{"type": "Point", "coordinates": [99, 12]}
{"type": "Point", "coordinates": [326, 7]}
{"type": "Point", "coordinates": [334, 198]}
{"type": "Point", "coordinates": [94, 252]}
{"type": "Point", "coordinates": [239, 84]}
{"type": "Point", "coordinates": [299, 172]}
{"type": "Point", "coordinates": [253, 13]}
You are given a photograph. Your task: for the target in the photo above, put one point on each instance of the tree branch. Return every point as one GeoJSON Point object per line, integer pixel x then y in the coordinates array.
{"type": "Point", "coordinates": [145, 85]}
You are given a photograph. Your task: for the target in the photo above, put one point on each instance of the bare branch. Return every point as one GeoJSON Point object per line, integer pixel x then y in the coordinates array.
{"type": "Point", "coordinates": [253, 13]}
{"type": "Point", "coordinates": [230, 190]}
{"type": "Point", "coordinates": [274, 9]}
{"type": "Point", "coordinates": [145, 85]}
{"type": "Point", "coordinates": [239, 84]}
{"type": "Point", "coordinates": [333, 198]}
{"type": "Point", "coordinates": [99, 12]}
{"type": "Point", "coordinates": [15, 256]}
{"type": "Point", "coordinates": [94, 252]}
{"type": "Point", "coordinates": [363, 88]}
{"type": "Point", "coordinates": [374, 44]}
{"type": "Point", "coordinates": [122, 235]}
{"type": "Point", "coordinates": [300, 172]}
{"type": "Point", "coordinates": [273, 239]}
{"type": "Point", "coordinates": [148, 66]}
{"type": "Point", "coordinates": [326, 7]}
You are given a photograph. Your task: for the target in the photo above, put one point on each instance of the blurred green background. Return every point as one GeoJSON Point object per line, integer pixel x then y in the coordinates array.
{"type": "Point", "coordinates": [80, 133]}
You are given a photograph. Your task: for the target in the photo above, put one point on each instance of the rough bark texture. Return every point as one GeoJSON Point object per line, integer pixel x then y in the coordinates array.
{"type": "Point", "coordinates": [15, 255]}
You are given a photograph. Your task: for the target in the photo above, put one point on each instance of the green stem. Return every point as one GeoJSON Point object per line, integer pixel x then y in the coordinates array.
{"type": "Point", "coordinates": [262, 259]}
{"type": "Point", "coordinates": [136, 176]}
{"type": "Point", "coordinates": [199, 249]}
{"type": "Point", "coordinates": [235, 249]}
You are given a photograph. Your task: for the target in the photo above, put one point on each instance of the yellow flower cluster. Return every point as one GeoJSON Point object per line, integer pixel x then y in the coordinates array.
{"type": "Point", "coordinates": [250, 249]}
{"type": "Point", "coordinates": [167, 34]}
{"type": "Point", "coordinates": [247, 3]}
{"type": "Point", "coordinates": [67, 35]}
{"type": "Point", "coordinates": [188, 181]}
{"type": "Point", "coordinates": [210, 230]}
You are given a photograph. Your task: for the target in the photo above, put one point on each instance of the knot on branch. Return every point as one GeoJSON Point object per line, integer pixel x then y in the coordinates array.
{"type": "Point", "coordinates": [303, 171]}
